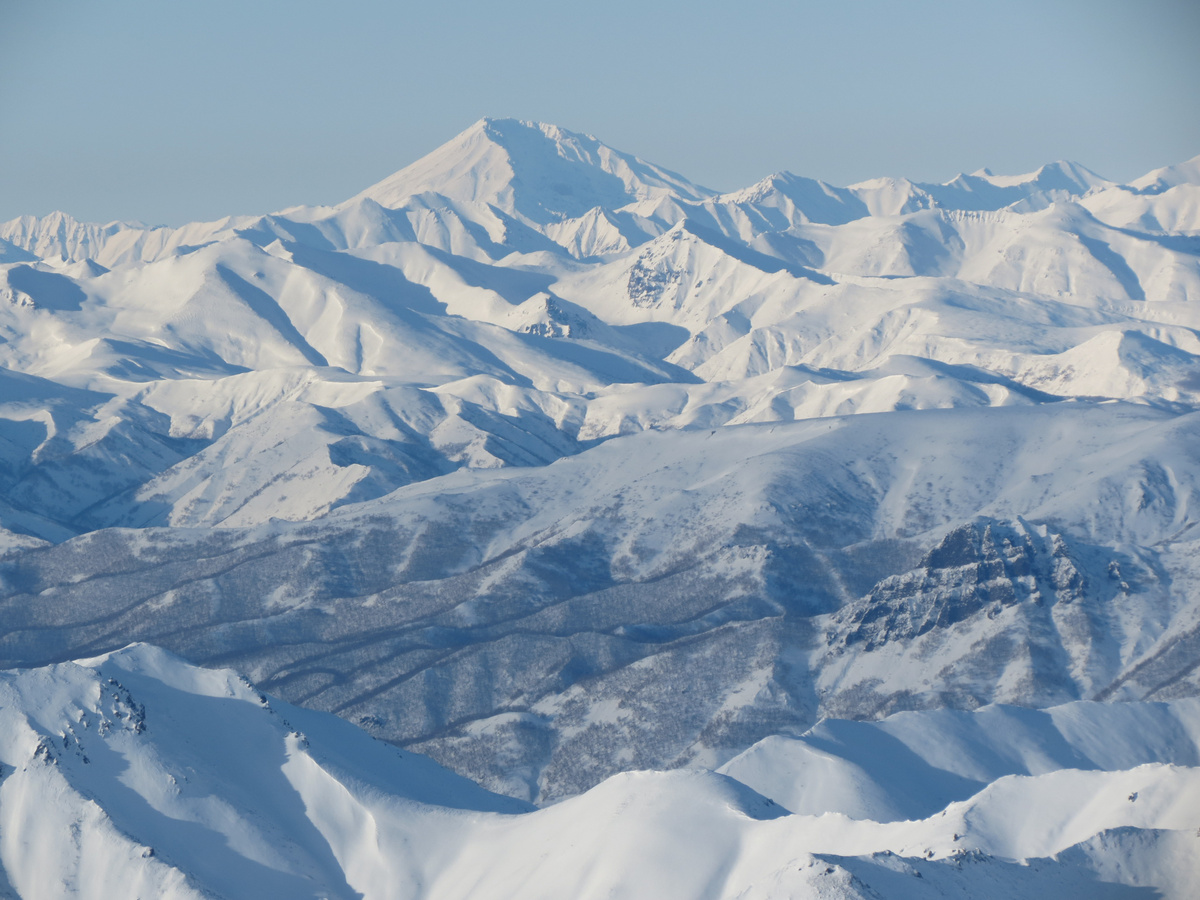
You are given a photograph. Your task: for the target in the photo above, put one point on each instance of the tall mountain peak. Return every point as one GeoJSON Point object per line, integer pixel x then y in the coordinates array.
{"type": "Point", "coordinates": [532, 170]}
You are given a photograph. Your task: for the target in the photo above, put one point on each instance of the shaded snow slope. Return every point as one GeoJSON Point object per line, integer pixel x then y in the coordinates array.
{"type": "Point", "coordinates": [913, 764]}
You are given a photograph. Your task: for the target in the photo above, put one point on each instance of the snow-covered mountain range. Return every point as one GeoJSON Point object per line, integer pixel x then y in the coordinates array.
{"type": "Point", "coordinates": [135, 774]}
{"type": "Point", "coordinates": [540, 459]}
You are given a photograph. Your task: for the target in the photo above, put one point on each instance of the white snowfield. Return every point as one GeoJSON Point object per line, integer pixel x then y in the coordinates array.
{"type": "Point", "coordinates": [540, 460]}
{"type": "Point", "coordinates": [135, 774]}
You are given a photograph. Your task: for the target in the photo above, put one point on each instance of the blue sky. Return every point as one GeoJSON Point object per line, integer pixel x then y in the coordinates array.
{"type": "Point", "coordinates": [170, 112]}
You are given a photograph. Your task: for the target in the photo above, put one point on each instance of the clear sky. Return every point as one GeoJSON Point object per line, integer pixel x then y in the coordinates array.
{"type": "Point", "coordinates": [170, 112]}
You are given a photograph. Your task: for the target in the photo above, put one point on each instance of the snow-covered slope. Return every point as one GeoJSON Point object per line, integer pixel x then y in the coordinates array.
{"type": "Point", "coordinates": [135, 774]}
{"type": "Point", "coordinates": [545, 461]}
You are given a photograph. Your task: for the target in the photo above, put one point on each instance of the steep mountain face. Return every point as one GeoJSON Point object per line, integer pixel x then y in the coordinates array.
{"type": "Point", "coordinates": [540, 459]}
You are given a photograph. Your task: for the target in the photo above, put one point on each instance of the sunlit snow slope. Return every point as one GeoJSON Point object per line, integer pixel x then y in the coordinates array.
{"type": "Point", "coordinates": [542, 460]}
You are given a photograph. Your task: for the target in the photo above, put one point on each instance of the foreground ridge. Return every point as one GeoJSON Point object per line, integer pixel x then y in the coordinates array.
{"type": "Point", "coordinates": [135, 772]}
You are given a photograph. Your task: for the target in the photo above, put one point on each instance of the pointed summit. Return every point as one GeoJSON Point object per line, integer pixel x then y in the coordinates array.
{"type": "Point", "coordinates": [534, 171]}
{"type": "Point", "coordinates": [1068, 176]}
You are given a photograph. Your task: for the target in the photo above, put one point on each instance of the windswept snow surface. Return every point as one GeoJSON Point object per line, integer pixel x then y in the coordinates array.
{"type": "Point", "coordinates": [539, 459]}
{"type": "Point", "coordinates": [136, 774]}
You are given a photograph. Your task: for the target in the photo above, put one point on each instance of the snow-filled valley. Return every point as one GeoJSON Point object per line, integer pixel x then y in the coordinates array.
{"type": "Point", "coordinates": [796, 541]}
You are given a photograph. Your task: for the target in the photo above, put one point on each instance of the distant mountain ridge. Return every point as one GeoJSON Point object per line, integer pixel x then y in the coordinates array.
{"type": "Point", "coordinates": [543, 176]}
